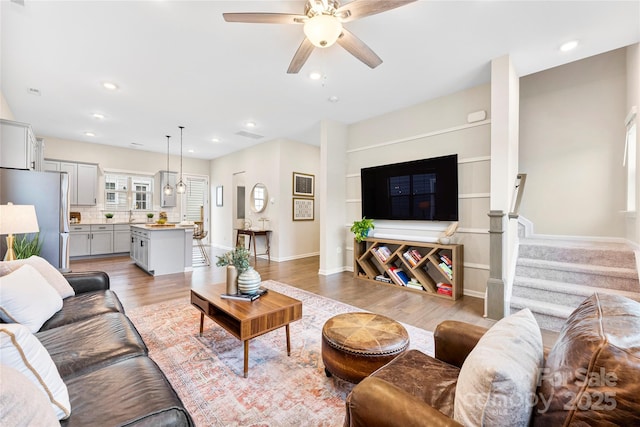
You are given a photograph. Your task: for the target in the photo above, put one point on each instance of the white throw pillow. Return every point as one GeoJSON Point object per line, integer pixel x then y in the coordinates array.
{"type": "Point", "coordinates": [22, 404]}
{"type": "Point", "coordinates": [27, 298]}
{"type": "Point", "coordinates": [48, 271]}
{"type": "Point", "coordinates": [22, 351]}
{"type": "Point", "coordinates": [498, 380]}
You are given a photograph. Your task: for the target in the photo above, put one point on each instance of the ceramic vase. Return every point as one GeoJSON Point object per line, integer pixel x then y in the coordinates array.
{"type": "Point", "coordinates": [249, 281]}
{"type": "Point", "coordinates": [232, 279]}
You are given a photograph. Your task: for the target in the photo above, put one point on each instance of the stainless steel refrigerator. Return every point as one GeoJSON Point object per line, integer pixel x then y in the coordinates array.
{"type": "Point", "coordinates": [49, 193]}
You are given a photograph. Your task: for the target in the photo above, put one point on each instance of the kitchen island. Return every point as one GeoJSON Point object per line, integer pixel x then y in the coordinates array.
{"type": "Point", "coordinates": [162, 250]}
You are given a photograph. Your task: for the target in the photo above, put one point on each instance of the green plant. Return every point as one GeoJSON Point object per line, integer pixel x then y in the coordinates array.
{"type": "Point", "coordinates": [108, 215]}
{"type": "Point", "coordinates": [361, 228]}
{"type": "Point", "coordinates": [239, 257]}
{"type": "Point", "coordinates": [25, 247]}
{"type": "Point", "coordinates": [150, 215]}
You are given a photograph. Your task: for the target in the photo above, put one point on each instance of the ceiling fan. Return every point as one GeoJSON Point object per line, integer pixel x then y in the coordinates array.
{"type": "Point", "coordinates": [322, 20]}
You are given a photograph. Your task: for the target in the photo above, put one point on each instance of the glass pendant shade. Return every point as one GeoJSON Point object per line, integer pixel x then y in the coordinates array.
{"type": "Point", "coordinates": [181, 187]}
{"type": "Point", "coordinates": [322, 30]}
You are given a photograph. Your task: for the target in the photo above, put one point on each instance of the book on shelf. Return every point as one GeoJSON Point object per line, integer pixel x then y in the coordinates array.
{"type": "Point", "coordinates": [399, 275]}
{"type": "Point", "coordinates": [410, 259]}
{"type": "Point", "coordinates": [444, 258]}
{"type": "Point", "coordinates": [245, 297]}
{"type": "Point", "coordinates": [446, 269]}
{"type": "Point", "coordinates": [383, 278]}
{"type": "Point", "coordinates": [416, 255]}
{"type": "Point", "coordinates": [444, 289]}
{"type": "Point", "coordinates": [414, 284]}
{"type": "Point", "coordinates": [382, 253]}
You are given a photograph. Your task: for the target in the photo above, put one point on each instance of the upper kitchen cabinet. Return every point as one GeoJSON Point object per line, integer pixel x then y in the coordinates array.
{"type": "Point", "coordinates": [19, 148]}
{"type": "Point", "coordinates": [83, 179]}
{"type": "Point", "coordinates": [164, 178]}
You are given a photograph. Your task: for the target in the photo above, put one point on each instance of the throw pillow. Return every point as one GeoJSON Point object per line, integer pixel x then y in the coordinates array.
{"type": "Point", "coordinates": [48, 271]}
{"type": "Point", "coordinates": [22, 351]}
{"type": "Point", "coordinates": [27, 298]}
{"type": "Point", "coordinates": [22, 404]}
{"type": "Point", "coordinates": [497, 381]}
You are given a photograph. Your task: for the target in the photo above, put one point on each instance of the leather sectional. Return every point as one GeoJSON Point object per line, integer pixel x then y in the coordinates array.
{"type": "Point", "coordinates": [104, 362]}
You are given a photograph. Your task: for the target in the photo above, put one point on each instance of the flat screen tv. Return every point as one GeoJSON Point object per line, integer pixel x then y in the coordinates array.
{"type": "Point", "coordinates": [423, 190]}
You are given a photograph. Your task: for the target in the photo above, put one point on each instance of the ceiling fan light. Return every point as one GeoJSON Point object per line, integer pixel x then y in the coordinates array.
{"type": "Point", "coordinates": [322, 30]}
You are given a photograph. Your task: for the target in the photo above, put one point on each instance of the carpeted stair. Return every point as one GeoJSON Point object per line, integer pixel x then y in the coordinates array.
{"type": "Point", "coordinates": [554, 276]}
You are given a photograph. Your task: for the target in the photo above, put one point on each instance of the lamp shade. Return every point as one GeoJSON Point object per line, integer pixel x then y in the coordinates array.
{"type": "Point", "coordinates": [322, 30]}
{"type": "Point", "coordinates": [18, 219]}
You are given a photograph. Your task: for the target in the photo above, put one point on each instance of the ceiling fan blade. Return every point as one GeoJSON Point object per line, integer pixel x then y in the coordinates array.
{"type": "Point", "coordinates": [358, 48]}
{"type": "Point", "coordinates": [360, 8]}
{"type": "Point", "coordinates": [301, 56]}
{"type": "Point", "coordinates": [264, 18]}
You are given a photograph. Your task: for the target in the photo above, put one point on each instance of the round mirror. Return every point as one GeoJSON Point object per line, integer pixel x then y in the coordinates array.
{"type": "Point", "coordinates": [258, 198]}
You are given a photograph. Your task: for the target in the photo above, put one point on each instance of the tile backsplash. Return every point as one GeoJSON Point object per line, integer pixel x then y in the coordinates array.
{"type": "Point", "coordinates": [95, 214]}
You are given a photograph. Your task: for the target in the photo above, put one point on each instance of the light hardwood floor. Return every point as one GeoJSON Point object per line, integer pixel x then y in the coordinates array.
{"type": "Point", "coordinates": [136, 288]}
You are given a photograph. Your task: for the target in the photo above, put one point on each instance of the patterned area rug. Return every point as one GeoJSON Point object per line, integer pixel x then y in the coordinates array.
{"type": "Point", "coordinates": [207, 371]}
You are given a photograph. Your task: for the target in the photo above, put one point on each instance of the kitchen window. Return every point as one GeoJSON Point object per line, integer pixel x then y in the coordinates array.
{"type": "Point", "coordinates": [128, 192]}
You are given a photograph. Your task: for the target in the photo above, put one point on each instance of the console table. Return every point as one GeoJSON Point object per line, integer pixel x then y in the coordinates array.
{"type": "Point", "coordinates": [252, 236]}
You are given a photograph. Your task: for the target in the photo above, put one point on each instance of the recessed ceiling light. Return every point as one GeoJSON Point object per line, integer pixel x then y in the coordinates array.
{"type": "Point", "coordinates": [97, 116]}
{"type": "Point", "coordinates": [570, 45]}
{"type": "Point", "coordinates": [333, 99]}
{"type": "Point", "coordinates": [250, 124]}
{"type": "Point", "coordinates": [190, 151]}
{"type": "Point", "coordinates": [215, 140]}
{"type": "Point", "coordinates": [110, 86]}
{"type": "Point", "coordinates": [89, 134]}
{"type": "Point", "coordinates": [315, 75]}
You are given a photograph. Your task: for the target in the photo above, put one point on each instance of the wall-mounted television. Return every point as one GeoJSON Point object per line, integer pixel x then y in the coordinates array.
{"type": "Point", "coordinates": [423, 190]}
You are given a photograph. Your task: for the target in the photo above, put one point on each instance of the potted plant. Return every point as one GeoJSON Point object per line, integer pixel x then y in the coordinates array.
{"type": "Point", "coordinates": [237, 262]}
{"type": "Point", "coordinates": [25, 247]}
{"type": "Point", "coordinates": [108, 215]}
{"type": "Point", "coordinates": [150, 217]}
{"type": "Point", "coordinates": [361, 228]}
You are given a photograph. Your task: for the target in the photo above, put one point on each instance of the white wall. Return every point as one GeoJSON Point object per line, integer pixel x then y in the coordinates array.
{"type": "Point", "coordinates": [5, 111]}
{"type": "Point", "coordinates": [433, 128]}
{"type": "Point", "coordinates": [571, 146]}
{"type": "Point", "coordinates": [271, 163]}
{"type": "Point", "coordinates": [633, 100]}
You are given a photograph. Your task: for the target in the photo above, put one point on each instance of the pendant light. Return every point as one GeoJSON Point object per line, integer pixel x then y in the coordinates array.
{"type": "Point", "coordinates": [181, 187]}
{"type": "Point", "coordinates": [168, 189]}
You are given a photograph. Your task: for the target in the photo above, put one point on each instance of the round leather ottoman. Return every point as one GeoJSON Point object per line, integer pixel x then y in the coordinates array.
{"type": "Point", "coordinates": [356, 344]}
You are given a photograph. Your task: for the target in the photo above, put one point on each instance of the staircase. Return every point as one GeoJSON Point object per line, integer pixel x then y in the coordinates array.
{"type": "Point", "coordinates": [554, 276]}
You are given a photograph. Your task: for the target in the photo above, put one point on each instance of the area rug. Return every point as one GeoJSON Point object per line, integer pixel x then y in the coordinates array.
{"type": "Point", "coordinates": [207, 371]}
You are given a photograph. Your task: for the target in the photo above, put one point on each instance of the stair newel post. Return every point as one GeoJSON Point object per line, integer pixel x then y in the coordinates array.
{"type": "Point", "coordinates": [495, 299]}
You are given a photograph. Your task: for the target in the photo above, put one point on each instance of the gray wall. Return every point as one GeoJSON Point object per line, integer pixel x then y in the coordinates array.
{"type": "Point", "coordinates": [571, 146]}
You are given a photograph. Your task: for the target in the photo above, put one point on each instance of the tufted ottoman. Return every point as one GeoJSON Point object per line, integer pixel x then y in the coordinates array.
{"type": "Point", "coordinates": [356, 344]}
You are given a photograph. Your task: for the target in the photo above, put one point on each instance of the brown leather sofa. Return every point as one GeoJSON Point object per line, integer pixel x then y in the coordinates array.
{"type": "Point", "coordinates": [104, 363]}
{"type": "Point", "coordinates": [591, 376]}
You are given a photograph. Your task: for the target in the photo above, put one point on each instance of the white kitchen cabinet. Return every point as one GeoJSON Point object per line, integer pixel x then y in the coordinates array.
{"type": "Point", "coordinates": [101, 239]}
{"type": "Point", "coordinates": [18, 146]}
{"type": "Point", "coordinates": [87, 184]}
{"type": "Point", "coordinates": [162, 178]}
{"type": "Point", "coordinates": [51, 165]}
{"type": "Point", "coordinates": [79, 240]}
{"type": "Point", "coordinates": [162, 250]}
{"type": "Point", "coordinates": [83, 180]}
{"type": "Point", "coordinates": [121, 238]}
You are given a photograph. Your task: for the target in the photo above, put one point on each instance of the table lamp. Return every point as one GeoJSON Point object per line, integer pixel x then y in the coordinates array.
{"type": "Point", "coordinates": [16, 219]}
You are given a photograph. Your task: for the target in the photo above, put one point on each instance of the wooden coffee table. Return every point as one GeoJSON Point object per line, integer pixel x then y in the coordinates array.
{"type": "Point", "coordinates": [246, 319]}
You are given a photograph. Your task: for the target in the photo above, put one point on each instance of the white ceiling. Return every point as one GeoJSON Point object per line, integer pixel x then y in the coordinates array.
{"type": "Point", "coordinates": [179, 63]}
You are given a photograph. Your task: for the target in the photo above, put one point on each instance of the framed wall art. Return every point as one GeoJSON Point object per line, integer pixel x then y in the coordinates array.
{"type": "Point", "coordinates": [219, 195]}
{"type": "Point", "coordinates": [302, 209]}
{"type": "Point", "coordinates": [303, 184]}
